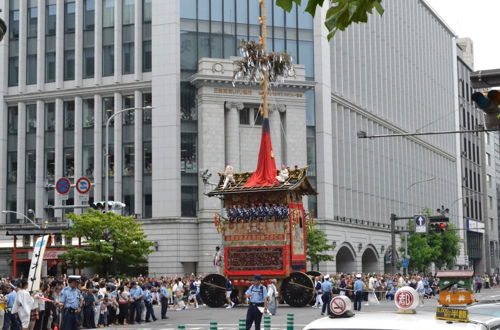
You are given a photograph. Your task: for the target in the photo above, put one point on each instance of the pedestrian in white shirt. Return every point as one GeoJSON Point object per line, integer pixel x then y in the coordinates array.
{"type": "Point", "coordinates": [272, 295]}
{"type": "Point", "coordinates": [420, 290]}
{"type": "Point", "coordinates": [23, 304]}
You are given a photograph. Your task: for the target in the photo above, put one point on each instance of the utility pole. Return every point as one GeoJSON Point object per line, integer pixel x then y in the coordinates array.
{"type": "Point", "coordinates": [395, 218]}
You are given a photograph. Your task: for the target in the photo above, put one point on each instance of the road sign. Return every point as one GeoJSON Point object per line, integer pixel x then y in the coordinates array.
{"type": "Point", "coordinates": [420, 224]}
{"type": "Point", "coordinates": [83, 185]}
{"type": "Point", "coordinates": [63, 186]}
{"type": "Point", "coordinates": [405, 263]}
{"type": "Point", "coordinates": [340, 304]}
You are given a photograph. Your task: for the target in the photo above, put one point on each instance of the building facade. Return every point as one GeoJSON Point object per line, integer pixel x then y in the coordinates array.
{"type": "Point", "coordinates": [70, 64]}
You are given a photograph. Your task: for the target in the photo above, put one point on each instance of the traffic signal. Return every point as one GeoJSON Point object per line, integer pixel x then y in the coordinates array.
{"type": "Point", "coordinates": [438, 224]}
{"type": "Point", "coordinates": [490, 104]}
{"type": "Point", "coordinates": [112, 205]}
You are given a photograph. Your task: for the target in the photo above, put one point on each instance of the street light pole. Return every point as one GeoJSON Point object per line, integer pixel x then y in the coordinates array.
{"type": "Point", "coordinates": [24, 216]}
{"type": "Point", "coordinates": [106, 183]}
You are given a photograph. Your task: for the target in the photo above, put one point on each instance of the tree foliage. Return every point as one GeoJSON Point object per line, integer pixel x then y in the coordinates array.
{"type": "Point", "coordinates": [317, 246]}
{"type": "Point", "coordinates": [111, 243]}
{"type": "Point", "coordinates": [438, 248]}
{"type": "Point", "coordinates": [341, 14]}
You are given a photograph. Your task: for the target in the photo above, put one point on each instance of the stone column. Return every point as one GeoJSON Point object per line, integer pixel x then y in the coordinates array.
{"type": "Point", "coordinates": [118, 150]}
{"type": "Point", "coordinates": [23, 35]}
{"type": "Point", "coordinates": [59, 136]}
{"type": "Point", "coordinates": [138, 159]}
{"type": "Point", "coordinates": [98, 148]}
{"type": "Point", "coordinates": [21, 158]}
{"type": "Point", "coordinates": [60, 45]}
{"type": "Point", "coordinates": [78, 44]}
{"type": "Point", "coordinates": [78, 148]}
{"type": "Point", "coordinates": [40, 59]}
{"type": "Point", "coordinates": [232, 135]}
{"type": "Point", "coordinates": [166, 126]}
{"type": "Point", "coordinates": [138, 41]}
{"type": "Point", "coordinates": [323, 104]}
{"type": "Point", "coordinates": [118, 41]}
{"type": "Point", "coordinates": [276, 133]}
{"type": "Point", "coordinates": [98, 43]}
{"type": "Point", "coordinates": [40, 160]}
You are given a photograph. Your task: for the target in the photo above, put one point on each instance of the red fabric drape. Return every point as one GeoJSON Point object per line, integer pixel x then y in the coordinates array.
{"type": "Point", "coordinates": [265, 175]}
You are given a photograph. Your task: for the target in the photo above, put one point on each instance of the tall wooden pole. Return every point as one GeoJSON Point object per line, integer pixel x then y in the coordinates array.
{"type": "Point", "coordinates": [263, 41]}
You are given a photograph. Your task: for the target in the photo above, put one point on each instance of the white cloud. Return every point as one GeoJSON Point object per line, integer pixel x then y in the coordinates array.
{"type": "Point", "coordinates": [477, 20]}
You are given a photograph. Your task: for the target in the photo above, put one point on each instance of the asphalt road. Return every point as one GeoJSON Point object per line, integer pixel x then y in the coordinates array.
{"type": "Point", "coordinates": [227, 319]}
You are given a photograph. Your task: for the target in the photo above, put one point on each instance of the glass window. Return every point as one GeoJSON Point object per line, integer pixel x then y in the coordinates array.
{"type": "Point", "coordinates": [189, 200]}
{"type": "Point", "coordinates": [88, 15]}
{"type": "Point", "coordinates": [188, 9]}
{"type": "Point", "coordinates": [12, 167]}
{"type": "Point", "coordinates": [216, 45]}
{"type": "Point", "coordinates": [31, 118]}
{"type": "Point", "coordinates": [50, 20]}
{"type": "Point", "coordinates": [291, 17]}
{"type": "Point", "coordinates": [188, 106]}
{"type": "Point", "coordinates": [245, 116]}
{"type": "Point", "coordinates": [147, 113]}
{"type": "Point", "coordinates": [279, 16]}
{"type": "Point", "coordinates": [188, 152]}
{"type": "Point", "coordinates": [128, 49]}
{"type": "Point", "coordinates": [204, 10]}
{"type": "Point", "coordinates": [13, 71]}
{"type": "Point", "coordinates": [306, 57]}
{"type": "Point", "coordinates": [128, 159]}
{"type": "Point", "coordinates": [108, 52]}
{"type": "Point", "coordinates": [128, 116]}
{"type": "Point", "coordinates": [69, 17]}
{"type": "Point", "coordinates": [242, 11]}
{"type": "Point", "coordinates": [108, 13]}
{"type": "Point", "coordinates": [108, 108]}
{"type": "Point", "coordinates": [32, 21]}
{"type": "Point", "coordinates": [69, 64]}
{"type": "Point", "coordinates": [88, 54]}
{"type": "Point", "coordinates": [216, 10]}
{"type": "Point", "coordinates": [12, 120]}
{"type": "Point", "coordinates": [305, 19]}
{"type": "Point", "coordinates": [88, 113]}
{"type": "Point", "coordinates": [148, 157]}
{"type": "Point", "coordinates": [147, 11]}
{"type": "Point", "coordinates": [146, 48]}
{"type": "Point", "coordinates": [229, 12]}
{"type": "Point", "coordinates": [50, 163]}
{"type": "Point", "coordinates": [254, 12]}
{"type": "Point", "coordinates": [257, 117]}
{"type": "Point", "coordinates": [31, 59]}
{"type": "Point", "coordinates": [229, 46]}
{"type": "Point", "coordinates": [69, 115]}
{"type": "Point", "coordinates": [128, 12]}
{"type": "Point", "coordinates": [189, 57]}
{"type": "Point", "coordinates": [14, 24]}
{"type": "Point", "coordinates": [69, 163]}
{"type": "Point", "coordinates": [50, 67]}
{"type": "Point", "coordinates": [50, 116]}
{"type": "Point", "coordinates": [88, 161]}
{"type": "Point", "coordinates": [30, 166]}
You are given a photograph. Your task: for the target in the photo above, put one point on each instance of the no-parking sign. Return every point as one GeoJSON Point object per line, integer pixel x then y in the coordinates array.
{"type": "Point", "coordinates": [63, 186]}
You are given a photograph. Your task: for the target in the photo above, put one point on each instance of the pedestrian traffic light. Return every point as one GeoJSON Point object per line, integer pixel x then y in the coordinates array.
{"type": "Point", "coordinates": [438, 224]}
{"type": "Point", "coordinates": [490, 104]}
{"type": "Point", "coordinates": [112, 205]}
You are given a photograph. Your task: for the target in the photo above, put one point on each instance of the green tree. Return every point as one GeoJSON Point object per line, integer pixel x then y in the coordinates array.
{"type": "Point", "coordinates": [438, 248]}
{"type": "Point", "coordinates": [341, 14]}
{"type": "Point", "coordinates": [111, 243]}
{"type": "Point", "coordinates": [317, 246]}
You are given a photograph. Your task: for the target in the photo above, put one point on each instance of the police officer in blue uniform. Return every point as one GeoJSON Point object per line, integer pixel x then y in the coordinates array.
{"type": "Point", "coordinates": [10, 320]}
{"type": "Point", "coordinates": [164, 295]}
{"type": "Point", "coordinates": [257, 295]}
{"type": "Point", "coordinates": [71, 301]}
{"type": "Point", "coordinates": [136, 294]}
{"type": "Point", "coordinates": [326, 288]}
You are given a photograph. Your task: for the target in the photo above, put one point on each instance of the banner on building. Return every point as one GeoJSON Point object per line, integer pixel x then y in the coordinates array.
{"type": "Point", "coordinates": [36, 263]}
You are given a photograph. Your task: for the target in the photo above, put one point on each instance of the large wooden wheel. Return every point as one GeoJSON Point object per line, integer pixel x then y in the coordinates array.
{"type": "Point", "coordinates": [298, 289]}
{"type": "Point", "coordinates": [313, 273]}
{"type": "Point", "coordinates": [213, 290]}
